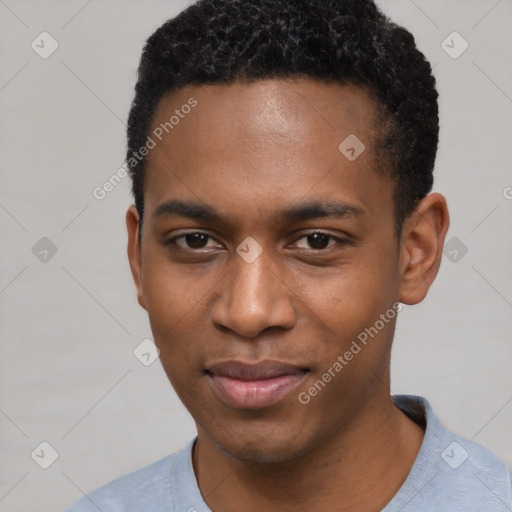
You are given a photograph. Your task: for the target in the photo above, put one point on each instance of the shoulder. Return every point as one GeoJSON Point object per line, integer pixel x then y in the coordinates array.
{"type": "Point", "coordinates": [147, 488]}
{"type": "Point", "coordinates": [469, 477]}
{"type": "Point", "coordinates": [451, 472]}
{"type": "Point", "coordinates": [475, 474]}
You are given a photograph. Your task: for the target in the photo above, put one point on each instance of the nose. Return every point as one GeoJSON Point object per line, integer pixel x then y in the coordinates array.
{"type": "Point", "coordinates": [253, 297]}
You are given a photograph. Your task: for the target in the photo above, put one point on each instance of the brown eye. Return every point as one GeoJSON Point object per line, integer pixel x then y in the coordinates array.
{"type": "Point", "coordinates": [317, 241]}
{"type": "Point", "coordinates": [191, 241]}
{"type": "Point", "coordinates": [196, 240]}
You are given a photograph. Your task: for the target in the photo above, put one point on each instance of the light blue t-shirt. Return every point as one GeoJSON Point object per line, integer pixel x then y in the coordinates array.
{"type": "Point", "coordinates": [450, 474]}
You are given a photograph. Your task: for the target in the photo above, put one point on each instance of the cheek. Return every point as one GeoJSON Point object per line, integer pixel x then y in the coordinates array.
{"type": "Point", "coordinates": [347, 299]}
{"type": "Point", "coordinates": [171, 291]}
{"type": "Point", "coordinates": [174, 302]}
{"type": "Point", "coordinates": [358, 317]}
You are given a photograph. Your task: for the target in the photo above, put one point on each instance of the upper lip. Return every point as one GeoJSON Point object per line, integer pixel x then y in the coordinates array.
{"type": "Point", "coordinates": [263, 370]}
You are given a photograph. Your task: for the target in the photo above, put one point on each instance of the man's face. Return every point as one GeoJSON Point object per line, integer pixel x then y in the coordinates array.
{"type": "Point", "coordinates": [244, 335]}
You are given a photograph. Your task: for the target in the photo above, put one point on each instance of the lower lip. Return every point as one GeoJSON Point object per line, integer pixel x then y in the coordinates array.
{"type": "Point", "coordinates": [254, 394]}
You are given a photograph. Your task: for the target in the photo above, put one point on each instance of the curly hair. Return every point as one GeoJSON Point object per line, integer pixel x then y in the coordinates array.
{"type": "Point", "coordinates": [341, 41]}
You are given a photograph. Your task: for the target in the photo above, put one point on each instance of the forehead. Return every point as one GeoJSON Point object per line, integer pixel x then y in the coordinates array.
{"type": "Point", "coordinates": [267, 108]}
{"type": "Point", "coordinates": [267, 141]}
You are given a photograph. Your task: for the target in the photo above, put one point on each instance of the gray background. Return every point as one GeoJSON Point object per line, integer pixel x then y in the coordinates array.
{"type": "Point", "coordinates": [69, 325]}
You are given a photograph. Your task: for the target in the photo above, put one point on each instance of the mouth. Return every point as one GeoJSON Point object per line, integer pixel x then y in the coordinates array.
{"type": "Point", "coordinates": [254, 386]}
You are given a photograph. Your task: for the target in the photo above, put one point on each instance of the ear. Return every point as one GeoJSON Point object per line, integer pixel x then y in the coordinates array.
{"type": "Point", "coordinates": [421, 247]}
{"type": "Point", "coordinates": [135, 251]}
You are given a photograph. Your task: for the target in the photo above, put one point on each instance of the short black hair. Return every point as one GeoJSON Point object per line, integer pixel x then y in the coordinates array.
{"type": "Point", "coordinates": [341, 41]}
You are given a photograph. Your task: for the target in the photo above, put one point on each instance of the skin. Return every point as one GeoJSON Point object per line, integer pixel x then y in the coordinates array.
{"type": "Point", "coordinates": [250, 151]}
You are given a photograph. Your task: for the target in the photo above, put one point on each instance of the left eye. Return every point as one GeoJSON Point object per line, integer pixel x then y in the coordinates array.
{"type": "Point", "coordinates": [318, 241]}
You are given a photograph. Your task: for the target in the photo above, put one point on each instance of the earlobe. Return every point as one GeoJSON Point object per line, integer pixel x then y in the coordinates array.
{"type": "Point", "coordinates": [135, 252]}
{"type": "Point", "coordinates": [421, 247]}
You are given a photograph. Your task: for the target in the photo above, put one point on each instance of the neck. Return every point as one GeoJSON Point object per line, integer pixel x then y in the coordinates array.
{"type": "Point", "coordinates": [358, 469]}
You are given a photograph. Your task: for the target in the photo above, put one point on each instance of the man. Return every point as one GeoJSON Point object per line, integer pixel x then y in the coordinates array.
{"type": "Point", "coordinates": [281, 155]}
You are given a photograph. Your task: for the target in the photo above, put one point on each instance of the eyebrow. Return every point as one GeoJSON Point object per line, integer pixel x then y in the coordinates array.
{"type": "Point", "coordinates": [318, 209]}
{"type": "Point", "coordinates": [300, 212]}
{"type": "Point", "coordinates": [187, 209]}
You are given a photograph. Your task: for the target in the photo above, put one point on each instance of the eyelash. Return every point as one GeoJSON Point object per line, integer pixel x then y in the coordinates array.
{"type": "Point", "coordinates": [339, 241]}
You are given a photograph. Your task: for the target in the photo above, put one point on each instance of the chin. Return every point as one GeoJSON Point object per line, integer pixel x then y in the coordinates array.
{"type": "Point", "coordinates": [263, 447]}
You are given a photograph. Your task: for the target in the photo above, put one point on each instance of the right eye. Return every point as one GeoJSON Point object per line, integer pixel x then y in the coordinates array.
{"type": "Point", "coordinates": [191, 241]}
